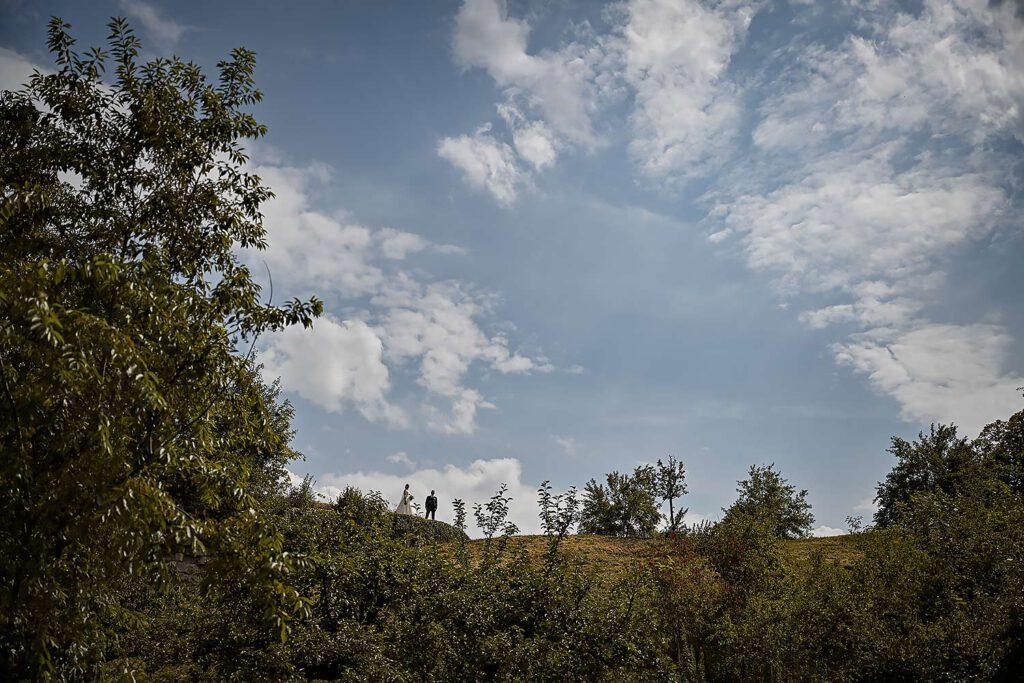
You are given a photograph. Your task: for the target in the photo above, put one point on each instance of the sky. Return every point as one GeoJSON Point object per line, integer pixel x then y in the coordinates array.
{"type": "Point", "coordinates": [557, 239]}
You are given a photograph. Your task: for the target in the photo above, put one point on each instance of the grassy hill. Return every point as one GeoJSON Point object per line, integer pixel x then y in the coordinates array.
{"type": "Point", "coordinates": [612, 555]}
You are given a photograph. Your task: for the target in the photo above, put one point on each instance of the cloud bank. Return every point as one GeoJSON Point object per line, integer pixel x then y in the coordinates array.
{"type": "Point", "coordinates": [848, 170]}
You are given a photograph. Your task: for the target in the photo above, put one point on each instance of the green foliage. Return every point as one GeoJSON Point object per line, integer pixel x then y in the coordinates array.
{"type": "Point", "coordinates": [492, 518]}
{"type": "Point", "coordinates": [386, 609]}
{"type": "Point", "coordinates": [767, 496]}
{"type": "Point", "coordinates": [135, 430]}
{"type": "Point", "coordinates": [937, 597]}
{"type": "Point", "coordinates": [940, 462]}
{"type": "Point", "coordinates": [132, 423]}
{"type": "Point", "coordinates": [671, 478]}
{"type": "Point", "coordinates": [627, 505]}
{"type": "Point", "coordinates": [1000, 447]}
{"type": "Point", "coordinates": [303, 495]}
{"type": "Point", "coordinates": [559, 512]}
{"type": "Point", "coordinates": [937, 461]}
{"type": "Point", "coordinates": [460, 513]}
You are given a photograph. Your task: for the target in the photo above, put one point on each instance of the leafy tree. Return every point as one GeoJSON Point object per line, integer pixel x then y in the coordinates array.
{"type": "Point", "coordinates": [671, 485]}
{"type": "Point", "coordinates": [766, 495]}
{"type": "Point", "coordinates": [133, 423]}
{"type": "Point", "coordinates": [936, 461]}
{"type": "Point", "coordinates": [363, 509]}
{"type": "Point", "coordinates": [1000, 447]}
{"type": "Point", "coordinates": [459, 506]}
{"type": "Point", "coordinates": [559, 512]}
{"type": "Point", "coordinates": [492, 519]}
{"type": "Point", "coordinates": [304, 494]}
{"type": "Point", "coordinates": [626, 505]}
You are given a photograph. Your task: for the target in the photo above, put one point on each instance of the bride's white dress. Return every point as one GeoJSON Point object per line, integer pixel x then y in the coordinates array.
{"type": "Point", "coordinates": [404, 508]}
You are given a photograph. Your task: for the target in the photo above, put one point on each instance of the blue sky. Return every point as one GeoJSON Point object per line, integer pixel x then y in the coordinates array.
{"type": "Point", "coordinates": [557, 239]}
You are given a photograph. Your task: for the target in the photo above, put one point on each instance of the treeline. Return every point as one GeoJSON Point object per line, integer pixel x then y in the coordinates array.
{"type": "Point", "coordinates": [135, 429]}
{"type": "Point", "coordinates": [630, 505]}
{"type": "Point", "coordinates": [932, 592]}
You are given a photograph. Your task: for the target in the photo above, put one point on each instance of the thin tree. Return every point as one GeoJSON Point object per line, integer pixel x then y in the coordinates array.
{"type": "Point", "coordinates": [671, 478]}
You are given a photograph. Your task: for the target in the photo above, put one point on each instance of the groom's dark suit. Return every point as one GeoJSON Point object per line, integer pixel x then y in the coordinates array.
{"type": "Point", "coordinates": [431, 506]}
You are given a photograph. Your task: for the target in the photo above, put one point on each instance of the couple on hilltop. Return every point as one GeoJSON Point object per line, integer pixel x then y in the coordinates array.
{"type": "Point", "coordinates": [405, 507]}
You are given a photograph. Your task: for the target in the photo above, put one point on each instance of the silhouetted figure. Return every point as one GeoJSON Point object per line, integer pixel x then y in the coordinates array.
{"type": "Point", "coordinates": [431, 506]}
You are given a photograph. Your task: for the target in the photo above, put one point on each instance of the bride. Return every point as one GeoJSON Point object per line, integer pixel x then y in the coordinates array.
{"type": "Point", "coordinates": [404, 508]}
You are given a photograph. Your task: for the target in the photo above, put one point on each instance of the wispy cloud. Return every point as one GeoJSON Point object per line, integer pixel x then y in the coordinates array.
{"type": "Point", "coordinates": [401, 321]}
{"type": "Point", "coordinates": [568, 444]}
{"type": "Point", "coordinates": [849, 172]}
{"type": "Point", "coordinates": [166, 32]}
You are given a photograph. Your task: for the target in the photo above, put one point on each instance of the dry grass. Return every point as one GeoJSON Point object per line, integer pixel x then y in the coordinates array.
{"type": "Point", "coordinates": [612, 556]}
{"type": "Point", "coordinates": [839, 549]}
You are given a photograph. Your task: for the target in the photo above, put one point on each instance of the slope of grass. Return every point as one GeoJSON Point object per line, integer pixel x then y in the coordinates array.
{"type": "Point", "coordinates": [611, 556]}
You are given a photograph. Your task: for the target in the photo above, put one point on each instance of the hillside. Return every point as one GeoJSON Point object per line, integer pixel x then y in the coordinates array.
{"type": "Point", "coordinates": [612, 555]}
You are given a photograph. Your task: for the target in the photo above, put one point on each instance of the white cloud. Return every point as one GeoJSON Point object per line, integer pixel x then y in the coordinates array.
{"type": "Point", "coordinates": [858, 225]}
{"type": "Point", "coordinates": [486, 163]}
{"type": "Point", "coordinates": [956, 67]}
{"type": "Point", "coordinates": [334, 365]}
{"type": "Point", "coordinates": [433, 327]}
{"type": "Point", "coordinates": [398, 245]}
{"type": "Point", "coordinates": [535, 144]}
{"type": "Point", "coordinates": [945, 373]}
{"type": "Point", "coordinates": [401, 458]}
{"type": "Point", "coordinates": [15, 69]}
{"type": "Point", "coordinates": [568, 444]}
{"type": "Point", "coordinates": [876, 161]}
{"type": "Point", "coordinates": [676, 54]}
{"type": "Point", "coordinates": [474, 483]}
{"type": "Point", "coordinates": [164, 30]}
{"type": "Point", "coordinates": [695, 518]}
{"type": "Point", "coordinates": [559, 84]}
{"type": "Point", "coordinates": [822, 531]}
{"type": "Point", "coordinates": [461, 419]}
{"type": "Point", "coordinates": [876, 236]}
{"type": "Point", "coordinates": [310, 248]}
{"type": "Point", "coordinates": [534, 141]}
{"type": "Point", "coordinates": [868, 506]}
{"type": "Point", "coordinates": [672, 55]}
{"type": "Point", "coordinates": [550, 97]}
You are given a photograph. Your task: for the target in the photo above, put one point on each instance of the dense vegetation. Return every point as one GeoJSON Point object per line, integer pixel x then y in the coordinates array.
{"type": "Point", "coordinates": [937, 596]}
{"type": "Point", "coordinates": [134, 424]}
{"type": "Point", "coordinates": [135, 431]}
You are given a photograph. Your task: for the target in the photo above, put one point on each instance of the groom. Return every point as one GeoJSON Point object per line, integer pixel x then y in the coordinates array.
{"type": "Point", "coordinates": [431, 502]}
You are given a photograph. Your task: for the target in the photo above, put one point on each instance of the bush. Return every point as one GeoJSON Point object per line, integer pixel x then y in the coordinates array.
{"type": "Point", "coordinates": [627, 505]}
{"type": "Point", "coordinates": [765, 495]}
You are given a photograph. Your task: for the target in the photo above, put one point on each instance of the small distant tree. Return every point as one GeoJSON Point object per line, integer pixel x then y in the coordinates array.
{"type": "Point", "coordinates": [671, 478]}
{"type": "Point", "coordinates": [765, 495]}
{"type": "Point", "coordinates": [626, 505]}
{"type": "Point", "coordinates": [304, 494]}
{"type": "Point", "coordinates": [459, 506]}
{"type": "Point", "coordinates": [559, 512]}
{"type": "Point", "coordinates": [492, 519]}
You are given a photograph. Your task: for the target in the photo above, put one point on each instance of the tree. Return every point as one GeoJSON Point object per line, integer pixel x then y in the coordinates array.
{"type": "Point", "coordinates": [938, 461]}
{"type": "Point", "coordinates": [766, 495]}
{"type": "Point", "coordinates": [133, 423]}
{"type": "Point", "coordinates": [671, 485]}
{"type": "Point", "coordinates": [1000, 447]}
{"type": "Point", "coordinates": [627, 505]}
